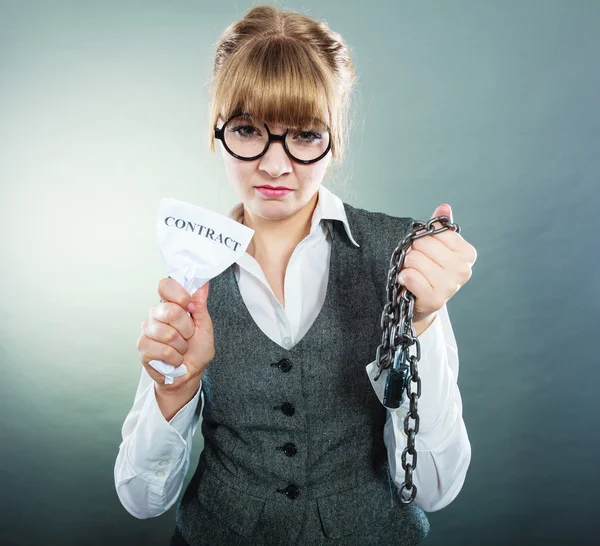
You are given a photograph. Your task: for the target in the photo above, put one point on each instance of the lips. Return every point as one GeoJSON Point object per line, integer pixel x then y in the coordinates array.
{"type": "Point", "coordinates": [274, 187]}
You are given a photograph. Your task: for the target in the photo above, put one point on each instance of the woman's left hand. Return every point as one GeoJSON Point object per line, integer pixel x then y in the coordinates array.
{"type": "Point", "coordinates": [435, 267]}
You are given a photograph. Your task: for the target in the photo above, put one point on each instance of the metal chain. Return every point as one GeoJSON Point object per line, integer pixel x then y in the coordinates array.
{"type": "Point", "coordinates": [398, 337]}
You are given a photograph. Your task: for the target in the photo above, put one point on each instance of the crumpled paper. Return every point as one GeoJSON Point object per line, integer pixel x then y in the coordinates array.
{"type": "Point", "coordinates": [196, 244]}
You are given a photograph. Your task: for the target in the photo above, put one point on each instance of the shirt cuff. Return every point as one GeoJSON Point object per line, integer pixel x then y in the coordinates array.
{"type": "Point", "coordinates": [156, 448]}
{"type": "Point", "coordinates": [185, 417]}
{"type": "Point", "coordinates": [437, 379]}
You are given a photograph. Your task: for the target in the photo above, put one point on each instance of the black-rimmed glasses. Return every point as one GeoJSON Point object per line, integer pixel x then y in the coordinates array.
{"type": "Point", "coordinates": [247, 140]}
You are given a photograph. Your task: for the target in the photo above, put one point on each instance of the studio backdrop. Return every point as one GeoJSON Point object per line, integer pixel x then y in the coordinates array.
{"type": "Point", "coordinates": [491, 107]}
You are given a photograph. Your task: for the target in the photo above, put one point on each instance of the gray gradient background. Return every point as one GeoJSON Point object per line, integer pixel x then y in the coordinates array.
{"type": "Point", "coordinates": [489, 106]}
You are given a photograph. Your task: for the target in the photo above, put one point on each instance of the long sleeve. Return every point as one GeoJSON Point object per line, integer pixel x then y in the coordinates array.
{"type": "Point", "coordinates": [442, 443]}
{"type": "Point", "coordinates": [154, 456]}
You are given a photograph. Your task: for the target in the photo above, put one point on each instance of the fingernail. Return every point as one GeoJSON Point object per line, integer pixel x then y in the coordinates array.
{"type": "Point", "coordinates": [191, 307]}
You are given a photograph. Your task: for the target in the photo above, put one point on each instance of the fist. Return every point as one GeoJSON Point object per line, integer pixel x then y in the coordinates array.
{"type": "Point", "coordinates": [179, 331]}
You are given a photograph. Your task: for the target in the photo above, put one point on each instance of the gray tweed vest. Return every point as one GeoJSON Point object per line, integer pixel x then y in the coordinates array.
{"type": "Point", "coordinates": [293, 439]}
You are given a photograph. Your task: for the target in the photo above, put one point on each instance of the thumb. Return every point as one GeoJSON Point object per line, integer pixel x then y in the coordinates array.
{"type": "Point", "coordinates": [442, 210]}
{"type": "Point", "coordinates": [199, 299]}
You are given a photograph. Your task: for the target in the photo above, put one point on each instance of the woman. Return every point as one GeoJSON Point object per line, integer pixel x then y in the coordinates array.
{"type": "Point", "coordinates": [298, 447]}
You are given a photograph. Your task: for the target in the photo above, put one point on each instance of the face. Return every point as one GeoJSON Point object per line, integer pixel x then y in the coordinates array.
{"type": "Point", "coordinates": [274, 168]}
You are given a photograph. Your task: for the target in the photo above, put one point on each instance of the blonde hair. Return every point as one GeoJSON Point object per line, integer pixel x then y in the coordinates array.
{"type": "Point", "coordinates": [284, 68]}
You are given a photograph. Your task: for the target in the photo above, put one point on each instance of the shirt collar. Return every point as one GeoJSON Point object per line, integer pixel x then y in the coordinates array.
{"type": "Point", "coordinates": [329, 207]}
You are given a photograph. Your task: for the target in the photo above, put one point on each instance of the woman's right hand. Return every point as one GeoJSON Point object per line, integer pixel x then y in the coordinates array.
{"type": "Point", "coordinates": [175, 337]}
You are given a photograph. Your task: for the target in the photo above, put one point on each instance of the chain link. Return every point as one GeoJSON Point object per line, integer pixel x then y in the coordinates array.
{"type": "Point", "coordinates": [398, 336]}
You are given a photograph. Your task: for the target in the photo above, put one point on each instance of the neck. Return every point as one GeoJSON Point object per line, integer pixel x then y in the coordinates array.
{"type": "Point", "coordinates": [276, 239]}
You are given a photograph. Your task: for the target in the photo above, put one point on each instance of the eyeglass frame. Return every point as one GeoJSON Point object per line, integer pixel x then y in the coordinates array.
{"type": "Point", "coordinates": [219, 134]}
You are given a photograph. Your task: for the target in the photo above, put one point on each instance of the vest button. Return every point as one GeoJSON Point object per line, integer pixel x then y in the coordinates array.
{"type": "Point", "coordinates": [289, 449]}
{"type": "Point", "coordinates": [292, 491]}
{"type": "Point", "coordinates": [285, 365]}
{"type": "Point", "coordinates": [288, 409]}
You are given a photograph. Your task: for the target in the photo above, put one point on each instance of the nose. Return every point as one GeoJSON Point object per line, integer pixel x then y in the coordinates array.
{"type": "Point", "coordinates": [276, 161]}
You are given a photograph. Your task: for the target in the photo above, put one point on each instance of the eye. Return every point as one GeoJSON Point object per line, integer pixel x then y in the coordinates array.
{"type": "Point", "coordinates": [245, 131]}
{"type": "Point", "coordinates": [309, 136]}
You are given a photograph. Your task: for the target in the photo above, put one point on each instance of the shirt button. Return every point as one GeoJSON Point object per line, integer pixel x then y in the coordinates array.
{"type": "Point", "coordinates": [164, 462]}
{"type": "Point", "coordinates": [287, 342]}
{"type": "Point", "coordinates": [160, 473]}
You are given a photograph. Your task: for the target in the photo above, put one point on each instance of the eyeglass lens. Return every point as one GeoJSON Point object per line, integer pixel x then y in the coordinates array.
{"type": "Point", "coordinates": [247, 138]}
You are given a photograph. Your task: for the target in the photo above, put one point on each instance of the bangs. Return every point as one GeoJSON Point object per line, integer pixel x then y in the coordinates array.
{"type": "Point", "coordinates": [276, 81]}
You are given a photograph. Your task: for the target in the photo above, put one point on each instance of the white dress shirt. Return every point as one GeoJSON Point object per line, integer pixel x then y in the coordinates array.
{"type": "Point", "coordinates": [154, 456]}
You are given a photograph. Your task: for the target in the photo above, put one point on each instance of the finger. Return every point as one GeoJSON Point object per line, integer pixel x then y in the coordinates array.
{"type": "Point", "coordinates": [418, 285]}
{"type": "Point", "coordinates": [438, 252]}
{"type": "Point", "coordinates": [143, 343]}
{"type": "Point", "coordinates": [170, 290]}
{"type": "Point", "coordinates": [161, 380]}
{"type": "Point", "coordinates": [165, 333]}
{"type": "Point", "coordinates": [454, 241]}
{"type": "Point", "coordinates": [171, 313]}
{"type": "Point", "coordinates": [430, 272]}
{"type": "Point", "coordinates": [151, 349]}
